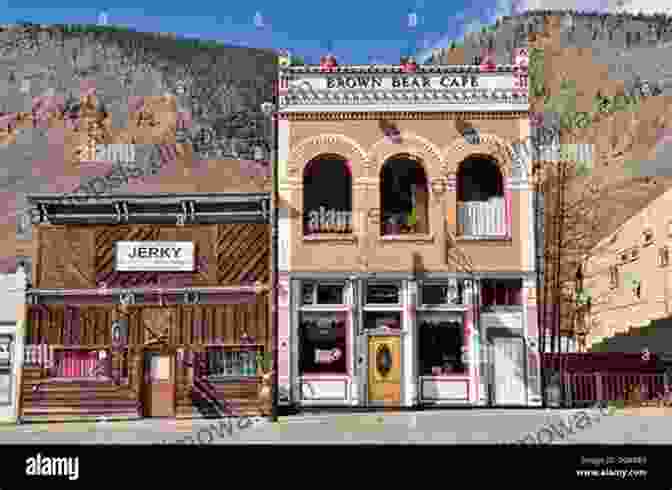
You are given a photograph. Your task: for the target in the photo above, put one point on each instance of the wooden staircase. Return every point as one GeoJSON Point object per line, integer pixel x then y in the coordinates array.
{"type": "Point", "coordinates": [212, 398]}
{"type": "Point", "coordinates": [74, 399]}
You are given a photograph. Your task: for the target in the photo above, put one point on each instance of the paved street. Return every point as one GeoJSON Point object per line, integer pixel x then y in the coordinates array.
{"type": "Point", "coordinates": [431, 427]}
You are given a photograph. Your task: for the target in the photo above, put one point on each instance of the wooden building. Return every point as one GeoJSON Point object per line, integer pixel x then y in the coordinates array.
{"type": "Point", "coordinates": [152, 305]}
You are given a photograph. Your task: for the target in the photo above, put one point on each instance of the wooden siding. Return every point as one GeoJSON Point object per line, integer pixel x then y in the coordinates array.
{"type": "Point", "coordinates": [65, 257]}
{"type": "Point", "coordinates": [243, 253]}
{"type": "Point", "coordinates": [82, 256]}
{"type": "Point", "coordinates": [186, 325]}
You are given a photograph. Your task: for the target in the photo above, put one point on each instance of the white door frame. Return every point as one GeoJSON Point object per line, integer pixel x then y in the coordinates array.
{"type": "Point", "coordinates": [497, 391]}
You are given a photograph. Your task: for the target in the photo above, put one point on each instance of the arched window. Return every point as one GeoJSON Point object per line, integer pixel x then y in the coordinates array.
{"type": "Point", "coordinates": [327, 195]}
{"type": "Point", "coordinates": [482, 209]}
{"type": "Point", "coordinates": [403, 197]}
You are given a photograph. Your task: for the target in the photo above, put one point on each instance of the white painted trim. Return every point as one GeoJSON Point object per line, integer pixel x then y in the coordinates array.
{"type": "Point", "coordinates": [12, 292]}
{"type": "Point", "coordinates": [284, 228]}
{"type": "Point", "coordinates": [531, 265]}
{"type": "Point", "coordinates": [416, 107]}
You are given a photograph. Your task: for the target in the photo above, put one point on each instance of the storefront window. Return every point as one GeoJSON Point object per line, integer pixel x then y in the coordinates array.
{"type": "Point", "coordinates": [323, 348]}
{"type": "Point", "coordinates": [222, 362]}
{"type": "Point", "coordinates": [440, 347]}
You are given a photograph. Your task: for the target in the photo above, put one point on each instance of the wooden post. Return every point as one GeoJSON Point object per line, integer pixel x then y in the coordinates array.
{"type": "Point", "coordinates": [569, 395]}
{"type": "Point", "coordinates": [598, 386]}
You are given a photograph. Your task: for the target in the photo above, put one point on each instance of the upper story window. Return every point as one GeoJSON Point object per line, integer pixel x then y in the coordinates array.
{"type": "Point", "coordinates": [327, 196]}
{"type": "Point", "coordinates": [481, 209]}
{"type": "Point", "coordinates": [404, 197]}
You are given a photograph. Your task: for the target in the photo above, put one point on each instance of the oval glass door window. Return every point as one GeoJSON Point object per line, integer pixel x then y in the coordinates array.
{"type": "Point", "coordinates": [384, 360]}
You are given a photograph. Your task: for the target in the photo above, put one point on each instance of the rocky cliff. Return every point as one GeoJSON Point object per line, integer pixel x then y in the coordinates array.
{"type": "Point", "coordinates": [184, 105]}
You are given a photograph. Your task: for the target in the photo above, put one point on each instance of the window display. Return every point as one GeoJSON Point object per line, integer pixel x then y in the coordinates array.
{"type": "Point", "coordinates": [322, 344]}
{"type": "Point", "coordinates": [440, 348]}
{"type": "Point", "coordinates": [222, 362]}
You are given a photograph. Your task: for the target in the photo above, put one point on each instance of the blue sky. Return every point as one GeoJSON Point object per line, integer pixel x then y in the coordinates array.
{"type": "Point", "coordinates": [360, 31]}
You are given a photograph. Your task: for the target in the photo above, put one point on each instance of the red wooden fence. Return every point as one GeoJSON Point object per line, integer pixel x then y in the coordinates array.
{"type": "Point", "coordinates": [595, 387]}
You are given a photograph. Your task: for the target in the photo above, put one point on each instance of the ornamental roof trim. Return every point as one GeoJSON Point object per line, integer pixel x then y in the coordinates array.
{"type": "Point", "coordinates": [394, 69]}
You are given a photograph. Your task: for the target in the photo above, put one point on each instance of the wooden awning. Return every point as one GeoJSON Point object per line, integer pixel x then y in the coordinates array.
{"type": "Point", "coordinates": [148, 296]}
{"type": "Point", "coordinates": [159, 208]}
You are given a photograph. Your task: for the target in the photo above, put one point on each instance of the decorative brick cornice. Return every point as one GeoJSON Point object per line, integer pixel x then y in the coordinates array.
{"type": "Point", "coordinates": [488, 144]}
{"type": "Point", "coordinates": [391, 97]}
{"type": "Point", "coordinates": [335, 144]}
{"type": "Point", "coordinates": [415, 115]}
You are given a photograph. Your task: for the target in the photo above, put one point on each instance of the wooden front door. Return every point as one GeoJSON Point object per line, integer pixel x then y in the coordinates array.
{"type": "Point", "coordinates": [385, 370]}
{"type": "Point", "coordinates": [509, 371]}
{"type": "Point", "coordinates": [159, 385]}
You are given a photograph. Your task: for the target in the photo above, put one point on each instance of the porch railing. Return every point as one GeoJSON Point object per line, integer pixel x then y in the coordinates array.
{"type": "Point", "coordinates": [69, 363]}
{"type": "Point", "coordinates": [478, 218]}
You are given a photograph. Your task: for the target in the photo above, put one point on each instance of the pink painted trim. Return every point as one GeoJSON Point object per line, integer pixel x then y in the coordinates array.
{"type": "Point", "coordinates": [326, 377]}
{"type": "Point", "coordinates": [507, 210]}
{"type": "Point", "coordinates": [447, 377]}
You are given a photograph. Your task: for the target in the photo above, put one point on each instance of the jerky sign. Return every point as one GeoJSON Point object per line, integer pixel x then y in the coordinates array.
{"type": "Point", "coordinates": [155, 256]}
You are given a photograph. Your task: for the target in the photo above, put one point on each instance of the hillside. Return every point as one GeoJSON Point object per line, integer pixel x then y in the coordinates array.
{"type": "Point", "coordinates": [600, 55]}
{"type": "Point", "coordinates": [66, 87]}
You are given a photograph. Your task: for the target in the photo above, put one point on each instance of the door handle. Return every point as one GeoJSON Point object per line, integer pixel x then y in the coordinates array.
{"type": "Point", "coordinates": [361, 360]}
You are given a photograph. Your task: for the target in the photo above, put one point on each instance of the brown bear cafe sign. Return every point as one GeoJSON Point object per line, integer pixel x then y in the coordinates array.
{"type": "Point", "coordinates": [376, 88]}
